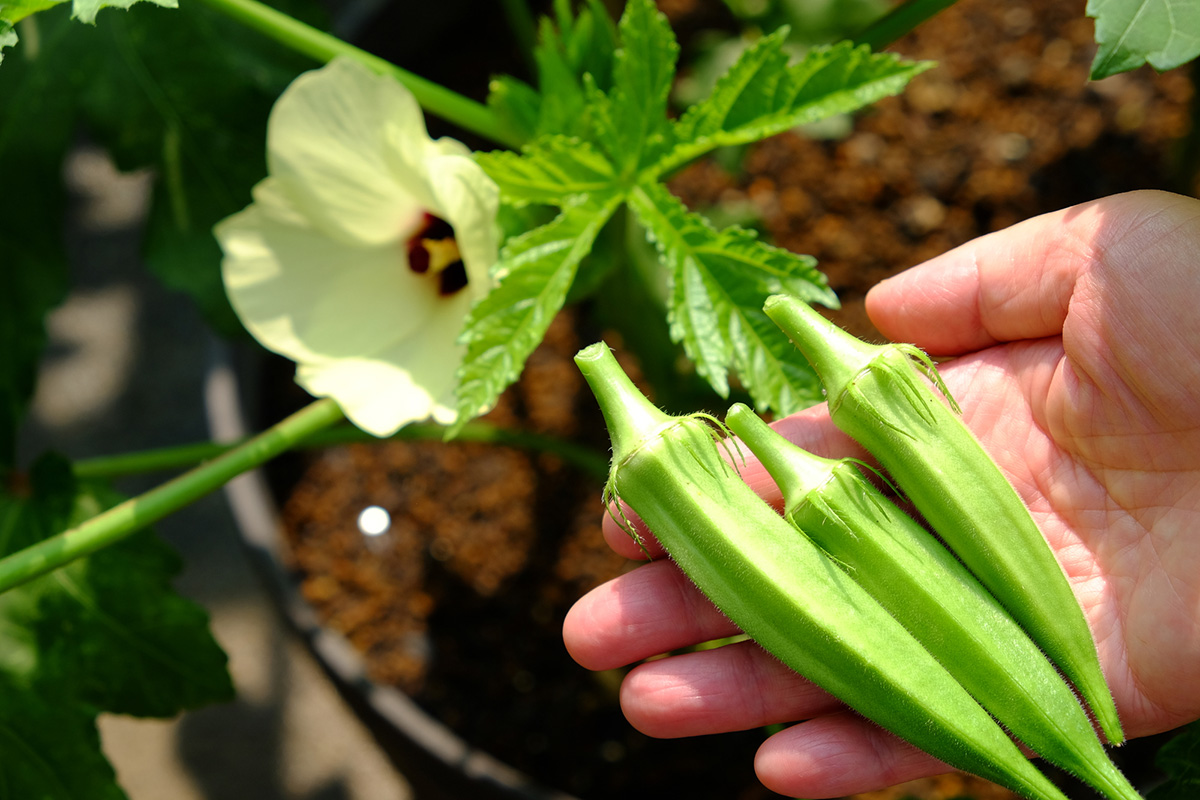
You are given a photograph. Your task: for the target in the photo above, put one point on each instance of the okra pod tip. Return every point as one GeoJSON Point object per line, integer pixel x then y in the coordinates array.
{"type": "Point", "coordinates": [631, 417]}
{"type": "Point", "coordinates": [795, 479]}
{"type": "Point", "coordinates": [835, 355]}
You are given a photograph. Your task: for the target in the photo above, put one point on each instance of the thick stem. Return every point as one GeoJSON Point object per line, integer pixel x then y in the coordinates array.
{"type": "Point", "coordinates": [438, 100]}
{"type": "Point", "coordinates": [136, 513]}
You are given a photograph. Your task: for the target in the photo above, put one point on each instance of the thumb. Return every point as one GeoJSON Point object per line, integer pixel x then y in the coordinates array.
{"type": "Point", "coordinates": [1009, 285]}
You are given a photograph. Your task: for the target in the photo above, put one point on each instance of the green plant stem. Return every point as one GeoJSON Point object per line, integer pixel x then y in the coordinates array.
{"type": "Point", "coordinates": [136, 513]}
{"type": "Point", "coordinates": [899, 21]}
{"type": "Point", "coordinates": [434, 98]}
{"type": "Point", "coordinates": [168, 458]}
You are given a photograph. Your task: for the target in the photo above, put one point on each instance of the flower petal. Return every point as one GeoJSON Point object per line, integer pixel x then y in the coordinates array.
{"type": "Point", "coordinates": [306, 296]}
{"type": "Point", "coordinates": [406, 381]}
{"type": "Point", "coordinates": [469, 200]}
{"type": "Point", "coordinates": [327, 142]}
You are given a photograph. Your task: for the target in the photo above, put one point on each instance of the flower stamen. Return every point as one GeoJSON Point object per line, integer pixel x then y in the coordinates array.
{"type": "Point", "coordinates": [433, 249]}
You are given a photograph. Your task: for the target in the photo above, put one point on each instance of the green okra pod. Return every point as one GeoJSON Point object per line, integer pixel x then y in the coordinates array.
{"type": "Point", "coordinates": [783, 591]}
{"type": "Point", "coordinates": [880, 395]}
{"type": "Point", "coordinates": [932, 594]}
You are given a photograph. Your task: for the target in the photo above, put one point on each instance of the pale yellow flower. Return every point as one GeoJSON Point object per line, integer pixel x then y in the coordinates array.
{"type": "Point", "coordinates": [364, 248]}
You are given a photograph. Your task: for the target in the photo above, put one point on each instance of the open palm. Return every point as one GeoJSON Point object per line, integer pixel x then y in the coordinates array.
{"type": "Point", "coordinates": [1077, 361]}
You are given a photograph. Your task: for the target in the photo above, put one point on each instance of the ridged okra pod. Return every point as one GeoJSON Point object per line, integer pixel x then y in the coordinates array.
{"type": "Point", "coordinates": [783, 591]}
{"type": "Point", "coordinates": [880, 395]}
{"type": "Point", "coordinates": [932, 594]}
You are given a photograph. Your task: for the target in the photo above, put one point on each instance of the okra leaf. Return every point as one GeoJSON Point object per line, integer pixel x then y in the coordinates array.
{"type": "Point", "coordinates": [106, 633]}
{"type": "Point", "coordinates": [719, 282]}
{"type": "Point", "coordinates": [109, 625]}
{"type": "Point", "coordinates": [568, 48]}
{"type": "Point", "coordinates": [550, 171]}
{"type": "Point", "coordinates": [590, 40]}
{"type": "Point", "coordinates": [1180, 760]}
{"type": "Point", "coordinates": [643, 71]}
{"type": "Point", "coordinates": [13, 11]}
{"type": "Point", "coordinates": [762, 94]}
{"type": "Point", "coordinates": [1130, 33]}
{"type": "Point", "coordinates": [516, 103]}
{"type": "Point", "coordinates": [8, 37]}
{"type": "Point", "coordinates": [534, 274]}
{"type": "Point", "coordinates": [51, 749]}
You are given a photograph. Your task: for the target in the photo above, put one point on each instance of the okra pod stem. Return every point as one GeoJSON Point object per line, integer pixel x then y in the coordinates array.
{"type": "Point", "coordinates": [783, 592]}
{"type": "Point", "coordinates": [929, 591]}
{"type": "Point", "coordinates": [880, 396]}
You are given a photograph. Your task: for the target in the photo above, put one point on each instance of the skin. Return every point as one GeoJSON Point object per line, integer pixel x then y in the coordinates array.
{"type": "Point", "coordinates": [1074, 340]}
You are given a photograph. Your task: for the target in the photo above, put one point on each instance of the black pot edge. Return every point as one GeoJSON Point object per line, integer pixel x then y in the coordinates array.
{"type": "Point", "coordinates": [435, 760]}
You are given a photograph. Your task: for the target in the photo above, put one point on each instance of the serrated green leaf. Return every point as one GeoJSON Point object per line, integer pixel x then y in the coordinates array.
{"type": "Point", "coordinates": [50, 750]}
{"type": "Point", "coordinates": [643, 71]}
{"type": "Point", "coordinates": [8, 37]}
{"type": "Point", "coordinates": [601, 122]}
{"type": "Point", "coordinates": [1130, 33]}
{"type": "Point", "coordinates": [517, 104]}
{"type": "Point", "coordinates": [86, 10]}
{"type": "Point", "coordinates": [762, 95]}
{"type": "Point", "coordinates": [550, 171]}
{"type": "Point", "coordinates": [1180, 760]}
{"type": "Point", "coordinates": [13, 11]}
{"type": "Point", "coordinates": [633, 304]}
{"type": "Point", "coordinates": [535, 272]}
{"type": "Point", "coordinates": [592, 42]}
{"type": "Point", "coordinates": [719, 282]}
{"type": "Point", "coordinates": [571, 47]}
{"type": "Point", "coordinates": [750, 82]}
{"type": "Point", "coordinates": [106, 633]}
{"type": "Point", "coordinates": [108, 625]}
{"type": "Point", "coordinates": [562, 104]}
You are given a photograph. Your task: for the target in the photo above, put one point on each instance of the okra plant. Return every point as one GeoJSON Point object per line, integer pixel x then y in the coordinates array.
{"type": "Point", "coordinates": [341, 253]}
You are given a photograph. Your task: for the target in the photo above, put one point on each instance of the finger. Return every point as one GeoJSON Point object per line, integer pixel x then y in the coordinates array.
{"type": "Point", "coordinates": [1009, 285]}
{"type": "Point", "coordinates": [839, 754]}
{"type": "Point", "coordinates": [732, 688]}
{"type": "Point", "coordinates": [644, 613]}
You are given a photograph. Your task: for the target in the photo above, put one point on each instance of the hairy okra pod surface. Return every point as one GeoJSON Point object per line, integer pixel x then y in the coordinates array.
{"type": "Point", "coordinates": [880, 397]}
{"type": "Point", "coordinates": [783, 591]}
{"type": "Point", "coordinates": [929, 591]}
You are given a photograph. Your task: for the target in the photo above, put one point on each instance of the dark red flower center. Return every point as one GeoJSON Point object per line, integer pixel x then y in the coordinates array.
{"type": "Point", "coordinates": [433, 248]}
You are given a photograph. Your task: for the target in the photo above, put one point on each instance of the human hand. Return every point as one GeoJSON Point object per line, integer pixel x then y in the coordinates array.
{"type": "Point", "coordinates": [1076, 349]}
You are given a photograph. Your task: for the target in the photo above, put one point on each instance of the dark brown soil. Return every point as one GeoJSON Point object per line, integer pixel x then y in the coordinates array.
{"type": "Point", "coordinates": [461, 603]}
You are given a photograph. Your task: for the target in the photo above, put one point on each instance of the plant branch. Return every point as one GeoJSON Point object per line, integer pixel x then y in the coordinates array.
{"type": "Point", "coordinates": [434, 98]}
{"type": "Point", "coordinates": [168, 458]}
{"type": "Point", "coordinates": [128, 517]}
{"type": "Point", "coordinates": [899, 21]}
